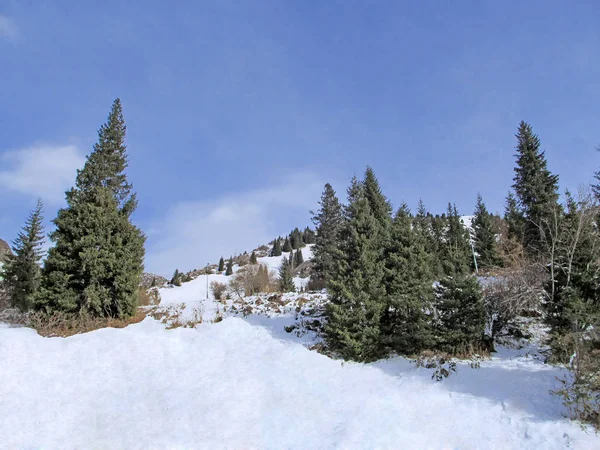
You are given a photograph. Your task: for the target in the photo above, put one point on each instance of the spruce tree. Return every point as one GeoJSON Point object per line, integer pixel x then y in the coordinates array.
{"type": "Point", "coordinates": [356, 292]}
{"type": "Point", "coordinates": [177, 278]}
{"type": "Point", "coordinates": [221, 265]}
{"type": "Point", "coordinates": [253, 259]}
{"type": "Point", "coordinates": [328, 221]}
{"type": "Point", "coordinates": [308, 236]}
{"type": "Point", "coordinates": [21, 273]}
{"type": "Point", "coordinates": [298, 258]}
{"type": "Point", "coordinates": [455, 247]}
{"type": "Point", "coordinates": [286, 282]}
{"type": "Point", "coordinates": [459, 313]}
{"type": "Point", "coordinates": [97, 260]}
{"type": "Point", "coordinates": [287, 246]}
{"type": "Point", "coordinates": [514, 219]}
{"type": "Point", "coordinates": [484, 237]}
{"type": "Point", "coordinates": [536, 190]}
{"type": "Point", "coordinates": [229, 270]}
{"type": "Point", "coordinates": [409, 288]}
{"type": "Point", "coordinates": [276, 251]}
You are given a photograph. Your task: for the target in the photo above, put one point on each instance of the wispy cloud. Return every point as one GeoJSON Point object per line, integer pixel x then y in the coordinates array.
{"type": "Point", "coordinates": [8, 28]}
{"type": "Point", "coordinates": [194, 233]}
{"type": "Point", "coordinates": [41, 171]}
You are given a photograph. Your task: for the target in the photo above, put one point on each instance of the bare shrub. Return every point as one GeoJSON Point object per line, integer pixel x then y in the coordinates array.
{"type": "Point", "coordinates": [252, 280]}
{"type": "Point", "coordinates": [148, 297]}
{"type": "Point", "coordinates": [218, 290]}
{"type": "Point", "coordinates": [512, 293]}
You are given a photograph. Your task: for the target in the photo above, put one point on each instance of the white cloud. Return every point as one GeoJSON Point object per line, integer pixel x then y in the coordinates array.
{"type": "Point", "coordinates": [8, 28]}
{"type": "Point", "coordinates": [195, 233]}
{"type": "Point", "coordinates": [41, 171]}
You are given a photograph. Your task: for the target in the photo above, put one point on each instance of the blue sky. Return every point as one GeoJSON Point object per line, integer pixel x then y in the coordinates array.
{"type": "Point", "coordinates": [239, 111]}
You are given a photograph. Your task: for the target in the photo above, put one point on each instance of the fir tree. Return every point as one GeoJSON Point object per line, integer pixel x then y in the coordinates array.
{"type": "Point", "coordinates": [298, 258]}
{"type": "Point", "coordinates": [97, 260]}
{"type": "Point", "coordinates": [514, 219]}
{"type": "Point", "coordinates": [177, 278]}
{"type": "Point", "coordinates": [484, 237]}
{"type": "Point", "coordinates": [221, 265]}
{"type": "Point", "coordinates": [253, 259]}
{"type": "Point", "coordinates": [460, 317]}
{"type": "Point", "coordinates": [308, 236]}
{"type": "Point", "coordinates": [409, 288]}
{"type": "Point", "coordinates": [379, 204]}
{"type": "Point", "coordinates": [455, 247]}
{"type": "Point", "coordinates": [286, 283]}
{"type": "Point", "coordinates": [357, 294]}
{"type": "Point", "coordinates": [229, 270]}
{"type": "Point", "coordinates": [328, 221]}
{"type": "Point", "coordinates": [536, 190]}
{"type": "Point", "coordinates": [153, 284]}
{"type": "Point", "coordinates": [296, 240]}
{"type": "Point", "coordinates": [276, 251]}
{"type": "Point", "coordinates": [22, 272]}
{"type": "Point", "coordinates": [287, 246]}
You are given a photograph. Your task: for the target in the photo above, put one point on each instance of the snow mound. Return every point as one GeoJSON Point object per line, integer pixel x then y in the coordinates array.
{"type": "Point", "coordinates": [234, 384]}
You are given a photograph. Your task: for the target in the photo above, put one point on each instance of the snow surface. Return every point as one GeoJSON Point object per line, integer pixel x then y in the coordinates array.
{"type": "Point", "coordinates": [238, 384]}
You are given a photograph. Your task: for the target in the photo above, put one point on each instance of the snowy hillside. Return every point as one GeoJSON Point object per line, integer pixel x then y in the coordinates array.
{"type": "Point", "coordinates": [239, 384]}
{"type": "Point", "coordinates": [245, 375]}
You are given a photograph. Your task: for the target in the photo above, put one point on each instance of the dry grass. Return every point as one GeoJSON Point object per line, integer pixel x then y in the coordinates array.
{"type": "Point", "coordinates": [64, 324]}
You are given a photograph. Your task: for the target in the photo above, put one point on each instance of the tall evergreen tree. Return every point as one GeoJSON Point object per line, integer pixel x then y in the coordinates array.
{"type": "Point", "coordinates": [409, 288]}
{"type": "Point", "coordinates": [484, 237]}
{"type": "Point", "coordinates": [253, 259]}
{"type": "Point", "coordinates": [286, 282]}
{"type": "Point", "coordinates": [229, 270]}
{"type": "Point", "coordinates": [455, 248]}
{"type": "Point", "coordinates": [276, 251]}
{"type": "Point", "coordinates": [356, 291]}
{"type": "Point", "coordinates": [460, 316]}
{"type": "Point", "coordinates": [287, 246]}
{"type": "Point", "coordinates": [513, 217]}
{"type": "Point", "coordinates": [536, 190]}
{"type": "Point", "coordinates": [221, 265]}
{"type": "Point", "coordinates": [97, 260]}
{"type": "Point", "coordinates": [328, 221]}
{"type": "Point", "coordinates": [298, 258]}
{"type": "Point", "coordinates": [308, 236]}
{"type": "Point", "coordinates": [21, 273]}
{"type": "Point", "coordinates": [177, 278]}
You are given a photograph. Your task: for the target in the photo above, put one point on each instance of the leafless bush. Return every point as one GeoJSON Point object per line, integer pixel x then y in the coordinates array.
{"type": "Point", "coordinates": [218, 290]}
{"type": "Point", "coordinates": [513, 292]}
{"type": "Point", "coordinates": [253, 279]}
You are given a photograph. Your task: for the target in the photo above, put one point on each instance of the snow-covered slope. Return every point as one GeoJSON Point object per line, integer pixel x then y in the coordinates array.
{"type": "Point", "coordinates": [236, 384]}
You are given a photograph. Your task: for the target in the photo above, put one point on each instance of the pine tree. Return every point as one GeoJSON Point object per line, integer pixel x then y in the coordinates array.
{"type": "Point", "coordinates": [356, 291]}
{"type": "Point", "coordinates": [253, 259]}
{"type": "Point", "coordinates": [409, 288]}
{"type": "Point", "coordinates": [460, 317]}
{"type": "Point", "coordinates": [97, 260]}
{"type": "Point", "coordinates": [379, 204]}
{"type": "Point", "coordinates": [484, 237]}
{"type": "Point", "coordinates": [286, 282]}
{"type": "Point", "coordinates": [22, 272]}
{"type": "Point", "coordinates": [455, 247]}
{"type": "Point", "coordinates": [308, 236]}
{"type": "Point", "coordinates": [298, 258]}
{"type": "Point", "coordinates": [153, 284]}
{"type": "Point", "coordinates": [287, 246]}
{"type": "Point", "coordinates": [431, 231]}
{"type": "Point", "coordinates": [536, 190]}
{"type": "Point", "coordinates": [276, 251]}
{"type": "Point", "coordinates": [328, 221]}
{"type": "Point", "coordinates": [229, 270]}
{"type": "Point", "coordinates": [221, 265]}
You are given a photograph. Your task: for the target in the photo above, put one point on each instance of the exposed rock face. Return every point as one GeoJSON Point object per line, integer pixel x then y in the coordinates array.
{"type": "Point", "coordinates": [4, 250]}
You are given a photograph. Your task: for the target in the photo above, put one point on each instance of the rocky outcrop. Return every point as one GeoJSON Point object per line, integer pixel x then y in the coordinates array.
{"type": "Point", "coordinates": [4, 250]}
